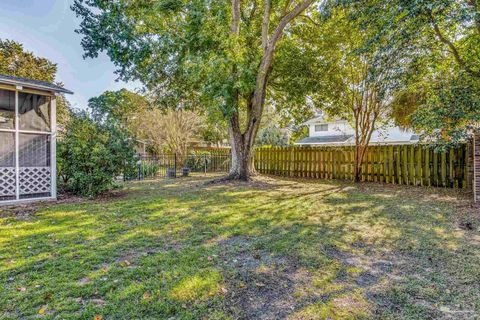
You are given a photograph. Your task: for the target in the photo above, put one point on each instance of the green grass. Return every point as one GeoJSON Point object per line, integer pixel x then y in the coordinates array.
{"type": "Point", "coordinates": [274, 248]}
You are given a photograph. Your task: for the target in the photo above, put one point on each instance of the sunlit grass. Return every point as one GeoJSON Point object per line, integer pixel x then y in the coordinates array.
{"type": "Point", "coordinates": [278, 248]}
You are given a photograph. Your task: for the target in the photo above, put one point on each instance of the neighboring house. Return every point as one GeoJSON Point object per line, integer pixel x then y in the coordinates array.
{"type": "Point", "coordinates": [323, 131]}
{"type": "Point", "coordinates": [141, 147]}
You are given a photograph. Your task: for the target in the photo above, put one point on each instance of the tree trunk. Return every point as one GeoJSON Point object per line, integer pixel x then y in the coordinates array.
{"type": "Point", "coordinates": [242, 164]}
{"type": "Point", "coordinates": [359, 153]}
{"type": "Point", "coordinates": [242, 143]}
{"type": "Point", "coordinates": [242, 149]}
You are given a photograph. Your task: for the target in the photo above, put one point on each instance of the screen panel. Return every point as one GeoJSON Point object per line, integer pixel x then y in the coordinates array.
{"type": "Point", "coordinates": [34, 112]}
{"type": "Point", "coordinates": [7, 109]}
{"type": "Point", "coordinates": [7, 166]}
{"type": "Point", "coordinates": [34, 165]}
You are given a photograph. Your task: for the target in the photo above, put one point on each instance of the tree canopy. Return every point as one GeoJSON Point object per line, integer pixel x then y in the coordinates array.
{"type": "Point", "coordinates": [207, 54]}
{"type": "Point", "coordinates": [15, 61]}
{"type": "Point", "coordinates": [436, 46]}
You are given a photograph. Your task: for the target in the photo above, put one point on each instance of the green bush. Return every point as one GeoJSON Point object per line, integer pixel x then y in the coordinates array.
{"type": "Point", "coordinates": [91, 156]}
{"type": "Point", "coordinates": [149, 169]}
{"type": "Point", "coordinates": [196, 160]}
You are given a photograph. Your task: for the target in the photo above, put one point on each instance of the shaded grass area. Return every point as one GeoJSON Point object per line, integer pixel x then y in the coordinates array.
{"type": "Point", "coordinates": [271, 249]}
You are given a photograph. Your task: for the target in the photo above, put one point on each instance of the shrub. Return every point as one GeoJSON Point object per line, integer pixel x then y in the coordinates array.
{"type": "Point", "coordinates": [197, 159]}
{"type": "Point", "coordinates": [91, 156]}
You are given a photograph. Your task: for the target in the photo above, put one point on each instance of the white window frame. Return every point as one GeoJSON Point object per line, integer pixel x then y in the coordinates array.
{"type": "Point", "coordinates": [320, 125]}
{"type": "Point", "coordinates": [53, 146]}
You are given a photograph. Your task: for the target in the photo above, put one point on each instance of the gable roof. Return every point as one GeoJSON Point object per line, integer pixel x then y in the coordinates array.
{"type": "Point", "coordinates": [34, 84]}
{"type": "Point", "coordinates": [325, 139]}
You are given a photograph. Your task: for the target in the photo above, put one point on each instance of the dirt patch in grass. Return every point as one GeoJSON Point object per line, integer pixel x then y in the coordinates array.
{"type": "Point", "coordinates": [260, 285]}
{"type": "Point", "coordinates": [468, 216]}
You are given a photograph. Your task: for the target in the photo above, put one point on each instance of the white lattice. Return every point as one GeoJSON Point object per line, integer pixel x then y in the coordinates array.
{"type": "Point", "coordinates": [34, 180]}
{"type": "Point", "coordinates": [7, 181]}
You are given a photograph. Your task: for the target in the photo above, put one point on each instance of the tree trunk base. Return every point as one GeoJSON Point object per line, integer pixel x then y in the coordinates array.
{"type": "Point", "coordinates": [233, 177]}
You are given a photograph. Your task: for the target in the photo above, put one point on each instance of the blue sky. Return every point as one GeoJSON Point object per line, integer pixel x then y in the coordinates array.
{"type": "Point", "coordinates": [46, 27]}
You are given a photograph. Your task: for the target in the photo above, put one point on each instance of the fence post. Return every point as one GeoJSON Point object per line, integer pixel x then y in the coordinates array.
{"type": "Point", "coordinates": [139, 170]}
{"type": "Point", "coordinates": [205, 163]}
{"type": "Point", "coordinates": [175, 165]}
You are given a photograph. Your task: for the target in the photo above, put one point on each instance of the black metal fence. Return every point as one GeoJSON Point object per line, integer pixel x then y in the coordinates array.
{"type": "Point", "coordinates": [172, 166]}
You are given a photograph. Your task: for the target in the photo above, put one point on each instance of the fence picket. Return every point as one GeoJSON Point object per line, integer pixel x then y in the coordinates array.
{"type": "Point", "coordinates": [399, 164]}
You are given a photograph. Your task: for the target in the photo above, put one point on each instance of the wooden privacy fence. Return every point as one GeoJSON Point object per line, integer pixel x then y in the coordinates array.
{"type": "Point", "coordinates": [398, 164]}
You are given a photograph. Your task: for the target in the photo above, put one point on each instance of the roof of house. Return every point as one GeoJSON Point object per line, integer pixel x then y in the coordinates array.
{"type": "Point", "coordinates": [34, 84]}
{"type": "Point", "coordinates": [325, 139]}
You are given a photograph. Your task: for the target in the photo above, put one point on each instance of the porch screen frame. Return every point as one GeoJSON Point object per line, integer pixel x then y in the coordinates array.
{"type": "Point", "coordinates": [53, 144]}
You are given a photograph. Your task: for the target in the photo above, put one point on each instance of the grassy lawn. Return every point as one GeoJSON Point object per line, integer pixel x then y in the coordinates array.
{"type": "Point", "coordinates": [271, 249]}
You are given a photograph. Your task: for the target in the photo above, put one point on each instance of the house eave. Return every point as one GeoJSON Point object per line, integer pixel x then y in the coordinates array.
{"type": "Point", "coordinates": [36, 86]}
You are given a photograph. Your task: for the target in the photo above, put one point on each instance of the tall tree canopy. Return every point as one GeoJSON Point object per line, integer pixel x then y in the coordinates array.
{"type": "Point", "coordinates": [15, 61]}
{"type": "Point", "coordinates": [437, 47]}
{"type": "Point", "coordinates": [210, 53]}
{"type": "Point", "coordinates": [118, 108]}
{"type": "Point", "coordinates": [358, 87]}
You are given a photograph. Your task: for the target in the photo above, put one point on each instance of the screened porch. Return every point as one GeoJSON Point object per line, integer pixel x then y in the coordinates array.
{"type": "Point", "coordinates": [27, 139]}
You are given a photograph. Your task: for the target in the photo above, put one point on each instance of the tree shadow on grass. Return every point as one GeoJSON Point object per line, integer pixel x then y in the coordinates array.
{"type": "Point", "coordinates": [279, 249]}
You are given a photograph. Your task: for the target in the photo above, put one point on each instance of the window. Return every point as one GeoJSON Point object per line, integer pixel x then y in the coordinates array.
{"type": "Point", "coordinates": [321, 127]}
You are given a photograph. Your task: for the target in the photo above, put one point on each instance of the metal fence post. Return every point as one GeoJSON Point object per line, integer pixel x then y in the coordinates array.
{"type": "Point", "coordinates": [175, 165]}
{"type": "Point", "coordinates": [205, 163]}
{"type": "Point", "coordinates": [139, 170]}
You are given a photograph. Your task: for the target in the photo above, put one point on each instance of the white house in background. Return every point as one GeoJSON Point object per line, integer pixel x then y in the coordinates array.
{"type": "Point", "coordinates": [28, 133]}
{"type": "Point", "coordinates": [323, 131]}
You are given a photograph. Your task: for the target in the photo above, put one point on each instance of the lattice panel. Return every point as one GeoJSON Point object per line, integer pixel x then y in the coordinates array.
{"type": "Point", "coordinates": [35, 180]}
{"type": "Point", "coordinates": [7, 181]}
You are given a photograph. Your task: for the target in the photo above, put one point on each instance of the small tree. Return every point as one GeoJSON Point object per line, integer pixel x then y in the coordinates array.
{"type": "Point", "coordinates": [273, 136]}
{"type": "Point", "coordinates": [436, 45]}
{"type": "Point", "coordinates": [118, 108]}
{"type": "Point", "coordinates": [91, 156]}
{"type": "Point", "coordinates": [169, 131]}
{"type": "Point", "coordinates": [357, 82]}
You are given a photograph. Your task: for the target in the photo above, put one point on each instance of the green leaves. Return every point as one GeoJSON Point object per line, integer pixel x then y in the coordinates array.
{"type": "Point", "coordinates": [91, 156]}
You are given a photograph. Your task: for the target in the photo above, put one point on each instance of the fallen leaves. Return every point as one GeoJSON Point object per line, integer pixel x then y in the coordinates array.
{"type": "Point", "coordinates": [146, 296]}
{"type": "Point", "coordinates": [42, 310]}
{"type": "Point", "coordinates": [125, 263]}
{"type": "Point", "coordinates": [84, 280]}
{"type": "Point", "coordinates": [98, 301]}
{"type": "Point", "coordinates": [97, 317]}
{"type": "Point", "coordinates": [21, 289]}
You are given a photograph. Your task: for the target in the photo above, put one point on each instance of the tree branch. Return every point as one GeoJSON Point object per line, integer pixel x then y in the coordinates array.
{"type": "Point", "coordinates": [265, 24]}
{"type": "Point", "coordinates": [299, 8]}
{"type": "Point", "coordinates": [452, 48]}
{"type": "Point", "coordinates": [235, 27]}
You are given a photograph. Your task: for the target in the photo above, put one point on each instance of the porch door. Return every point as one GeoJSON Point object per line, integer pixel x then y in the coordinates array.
{"type": "Point", "coordinates": [34, 143]}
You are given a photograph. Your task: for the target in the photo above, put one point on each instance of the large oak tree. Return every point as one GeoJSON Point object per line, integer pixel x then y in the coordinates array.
{"type": "Point", "coordinates": [210, 53]}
